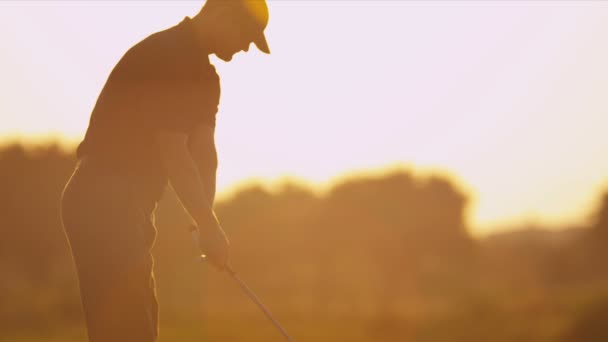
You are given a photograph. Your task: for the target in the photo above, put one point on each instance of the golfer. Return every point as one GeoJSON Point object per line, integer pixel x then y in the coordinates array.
{"type": "Point", "coordinates": [153, 123]}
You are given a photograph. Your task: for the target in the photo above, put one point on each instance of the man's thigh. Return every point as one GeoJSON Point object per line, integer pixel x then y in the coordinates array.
{"type": "Point", "coordinates": [110, 242]}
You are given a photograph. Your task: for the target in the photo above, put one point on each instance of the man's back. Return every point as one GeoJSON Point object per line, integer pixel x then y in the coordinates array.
{"type": "Point", "coordinates": [163, 82]}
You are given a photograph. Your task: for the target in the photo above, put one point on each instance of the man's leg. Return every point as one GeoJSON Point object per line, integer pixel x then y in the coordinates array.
{"type": "Point", "coordinates": [119, 304]}
{"type": "Point", "coordinates": [110, 241]}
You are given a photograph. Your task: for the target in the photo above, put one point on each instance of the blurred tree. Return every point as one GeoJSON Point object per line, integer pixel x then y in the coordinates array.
{"type": "Point", "coordinates": [380, 250]}
{"type": "Point", "coordinates": [35, 264]}
{"type": "Point", "coordinates": [32, 181]}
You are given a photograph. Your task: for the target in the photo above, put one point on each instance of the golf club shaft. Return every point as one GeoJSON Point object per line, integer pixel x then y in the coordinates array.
{"type": "Point", "coordinates": [255, 299]}
{"type": "Point", "coordinates": [245, 288]}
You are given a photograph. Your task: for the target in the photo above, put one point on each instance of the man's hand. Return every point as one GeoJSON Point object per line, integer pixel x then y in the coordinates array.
{"type": "Point", "coordinates": [214, 244]}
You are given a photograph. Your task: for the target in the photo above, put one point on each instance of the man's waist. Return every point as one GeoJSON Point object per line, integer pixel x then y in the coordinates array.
{"type": "Point", "coordinates": [146, 184]}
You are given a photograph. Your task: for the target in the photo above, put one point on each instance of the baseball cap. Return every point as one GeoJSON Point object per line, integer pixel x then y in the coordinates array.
{"type": "Point", "coordinates": [257, 13]}
{"type": "Point", "coordinates": [252, 16]}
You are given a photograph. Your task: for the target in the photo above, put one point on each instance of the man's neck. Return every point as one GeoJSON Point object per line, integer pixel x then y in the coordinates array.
{"type": "Point", "coordinates": [202, 34]}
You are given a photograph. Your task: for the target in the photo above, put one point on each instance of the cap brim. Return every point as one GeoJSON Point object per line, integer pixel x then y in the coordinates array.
{"type": "Point", "coordinates": [262, 44]}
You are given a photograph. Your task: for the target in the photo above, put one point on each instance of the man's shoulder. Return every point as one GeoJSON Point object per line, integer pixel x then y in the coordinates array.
{"type": "Point", "coordinates": [167, 51]}
{"type": "Point", "coordinates": [150, 48]}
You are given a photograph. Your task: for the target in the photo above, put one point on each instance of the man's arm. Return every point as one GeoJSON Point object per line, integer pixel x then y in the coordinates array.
{"type": "Point", "coordinates": [186, 181]}
{"type": "Point", "coordinates": [203, 152]}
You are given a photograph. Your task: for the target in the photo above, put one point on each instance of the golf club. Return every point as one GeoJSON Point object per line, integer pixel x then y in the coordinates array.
{"type": "Point", "coordinates": [244, 287]}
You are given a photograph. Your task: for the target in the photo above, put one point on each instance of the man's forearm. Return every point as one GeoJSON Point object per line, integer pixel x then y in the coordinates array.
{"type": "Point", "coordinates": [190, 189]}
{"type": "Point", "coordinates": [203, 152]}
{"type": "Point", "coordinates": [187, 184]}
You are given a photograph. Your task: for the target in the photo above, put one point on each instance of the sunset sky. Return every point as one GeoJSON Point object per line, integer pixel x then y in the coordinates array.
{"type": "Point", "coordinates": [509, 98]}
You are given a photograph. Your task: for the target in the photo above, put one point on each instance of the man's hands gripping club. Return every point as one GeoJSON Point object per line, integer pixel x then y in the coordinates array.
{"type": "Point", "coordinates": [213, 243]}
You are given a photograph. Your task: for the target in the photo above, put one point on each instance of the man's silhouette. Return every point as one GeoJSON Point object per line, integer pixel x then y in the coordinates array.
{"type": "Point", "coordinates": [153, 123]}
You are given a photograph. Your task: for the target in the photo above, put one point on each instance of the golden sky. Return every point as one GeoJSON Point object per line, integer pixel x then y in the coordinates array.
{"type": "Point", "coordinates": [510, 98]}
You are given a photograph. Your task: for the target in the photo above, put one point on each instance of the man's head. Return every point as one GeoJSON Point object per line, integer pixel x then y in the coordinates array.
{"type": "Point", "coordinates": [232, 25]}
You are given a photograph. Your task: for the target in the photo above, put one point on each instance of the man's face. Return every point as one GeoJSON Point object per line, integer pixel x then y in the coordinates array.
{"type": "Point", "coordinates": [234, 38]}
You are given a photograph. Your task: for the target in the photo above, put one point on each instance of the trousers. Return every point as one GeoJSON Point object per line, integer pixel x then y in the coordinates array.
{"type": "Point", "coordinates": [110, 234]}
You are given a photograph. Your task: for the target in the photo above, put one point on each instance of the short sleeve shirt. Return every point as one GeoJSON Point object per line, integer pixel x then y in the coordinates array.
{"type": "Point", "coordinates": [163, 83]}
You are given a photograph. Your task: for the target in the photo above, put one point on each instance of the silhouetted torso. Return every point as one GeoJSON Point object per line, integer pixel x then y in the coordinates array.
{"type": "Point", "coordinates": [164, 82]}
